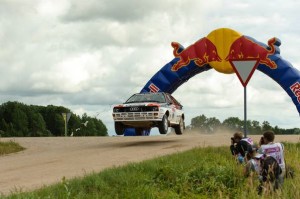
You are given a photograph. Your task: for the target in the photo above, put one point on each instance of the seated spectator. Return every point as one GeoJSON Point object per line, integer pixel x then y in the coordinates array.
{"type": "Point", "coordinates": [273, 149]}
{"type": "Point", "coordinates": [252, 163]}
{"type": "Point", "coordinates": [270, 172]}
{"type": "Point", "coordinates": [239, 146]}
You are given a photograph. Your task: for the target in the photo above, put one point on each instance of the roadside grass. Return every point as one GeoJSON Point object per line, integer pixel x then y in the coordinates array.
{"type": "Point", "coordinates": [198, 173]}
{"type": "Point", "coordinates": [9, 147]}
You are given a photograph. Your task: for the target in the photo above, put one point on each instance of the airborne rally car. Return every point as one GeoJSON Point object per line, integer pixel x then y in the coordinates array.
{"type": "Point", "coordinates": [143, 111]}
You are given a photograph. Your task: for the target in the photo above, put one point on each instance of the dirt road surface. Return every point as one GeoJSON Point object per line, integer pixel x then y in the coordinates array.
{"type": "Point", "coordinates": [47, 160]}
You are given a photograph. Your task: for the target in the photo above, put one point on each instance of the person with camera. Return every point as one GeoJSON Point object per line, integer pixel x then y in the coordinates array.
{"type": "Point", "coordinates": [273, 149]}
{"type": "Point", "coordinates": [240, 146]}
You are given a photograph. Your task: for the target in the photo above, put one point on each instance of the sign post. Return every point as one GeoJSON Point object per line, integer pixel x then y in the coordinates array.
{"type": "Point", "coordinates": [66, 117]}
{"type": "Point", "coordinates": [244, 69]}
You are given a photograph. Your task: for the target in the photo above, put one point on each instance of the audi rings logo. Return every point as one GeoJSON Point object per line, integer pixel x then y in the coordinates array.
{"type": "Point", "coordinates": [134, 108]}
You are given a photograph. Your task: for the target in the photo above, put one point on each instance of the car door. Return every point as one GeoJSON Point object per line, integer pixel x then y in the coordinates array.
{"type": "Point", "coordinates": [178, 110]}
{"type": "Point", "coordinates": [172, 109]}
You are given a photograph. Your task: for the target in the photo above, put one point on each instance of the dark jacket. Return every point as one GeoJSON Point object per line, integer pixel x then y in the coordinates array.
{"type": "Point", "coordinates": [241, 147]}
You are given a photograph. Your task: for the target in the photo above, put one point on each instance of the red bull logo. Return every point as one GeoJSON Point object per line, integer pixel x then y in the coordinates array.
{"type": "Point", "coordinates": [201, 52]}
{"type": "Point", "coordinates": [295, 88]}
{"type": "Point", "coordinates": [223, 45]}
{"type": "Point", "coordinates": [245, 48]}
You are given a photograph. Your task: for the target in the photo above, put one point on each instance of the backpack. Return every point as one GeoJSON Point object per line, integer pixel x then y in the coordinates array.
{"type": "Point", "coordinates": [270, 173]}
{"type": "Point", "coordinates": [270, 169]}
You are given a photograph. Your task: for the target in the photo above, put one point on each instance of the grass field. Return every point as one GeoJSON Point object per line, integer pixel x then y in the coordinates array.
{"type": "Point", "coordinates": [199, 173]}
{"type": "Point", "coordinates": [9, 147]}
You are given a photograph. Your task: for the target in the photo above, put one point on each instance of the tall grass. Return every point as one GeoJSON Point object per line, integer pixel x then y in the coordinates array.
{"type": "Point", "coordinates": [198, 173]}
{"type": "Point", "coordinates": [9, 147]}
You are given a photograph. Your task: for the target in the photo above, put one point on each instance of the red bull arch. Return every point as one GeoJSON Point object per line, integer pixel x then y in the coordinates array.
{"type": "Point", "coordinates": [215, 51]}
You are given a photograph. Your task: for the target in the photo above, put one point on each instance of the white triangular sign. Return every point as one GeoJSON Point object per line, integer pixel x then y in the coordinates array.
{"type": "Point", "coordinates": [244, 69]}
{"type": "Point", "coordinates": [68, 116]}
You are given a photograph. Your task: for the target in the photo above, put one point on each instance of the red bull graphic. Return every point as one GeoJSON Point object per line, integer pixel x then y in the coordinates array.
{"type": "Point", "coordinates": [201, 52]}
{"type": "Point", "coordinates": [295, 88]}
{"type": "Point", "coordinates": [243, 48]}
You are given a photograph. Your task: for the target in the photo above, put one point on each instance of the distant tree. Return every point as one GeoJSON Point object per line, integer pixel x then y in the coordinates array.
{"type": "Point", "coordinates": [101, 128]}
{"type": "Point", "coordinates": [266, 126]}
{"type": "Point", "coordinates": [17, 119]}
{"type": "Point", "coordinates": [233, 123]}
{"type": "Point", "coordinates": [297, 131]}
{"type": "Point", "coordinates": [14, 115]}
{"type": "Point", "coordinates": [277, 130]}
{"type": "Point", "coordinates": [92, 127]}
{"type": "Point", "coordinates": [20, 121]}
{"type": "Point", "coordinates": [74, 125]}
{"type": "Point", "coordinates": [205, 124]}
{"type": "Point", "coordinates": [54, 120]}
{"type": "Point", "coordinates": [256, 128]}
{"type": "Point", "coordinates": [212, 124]}
{"type": "Point", "coordinates": [288, 131]}
{"type": "Point", "coordinates": [199, 122]}
{"type": "Point", "coordinates": [4, 127]}
{"type": "Point", "coordinates": [37, 125]}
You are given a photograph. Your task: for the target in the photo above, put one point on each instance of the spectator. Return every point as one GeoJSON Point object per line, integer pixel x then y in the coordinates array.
{"type": "Point", "coordinates": [270, 172]}
{"type": "Point", "coordinates": [239, 146]}
{"type": "Point", "coordinates": [252, 162]}
{"type": "Point", "coordinates": [274, 149]}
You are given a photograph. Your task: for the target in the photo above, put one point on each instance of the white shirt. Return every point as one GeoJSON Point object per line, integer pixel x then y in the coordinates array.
{"type": "Point", "coordinates": [276, 151]}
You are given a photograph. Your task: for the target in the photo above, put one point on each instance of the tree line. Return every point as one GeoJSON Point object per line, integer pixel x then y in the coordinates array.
{"type": "Point", "coordinates": [208, 125]}
{"type": "Point", "coordinates": [21, 120]}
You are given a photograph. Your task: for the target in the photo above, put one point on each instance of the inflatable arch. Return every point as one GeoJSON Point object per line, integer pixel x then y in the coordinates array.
{"type": "Point", "coordinates": [214, 51]}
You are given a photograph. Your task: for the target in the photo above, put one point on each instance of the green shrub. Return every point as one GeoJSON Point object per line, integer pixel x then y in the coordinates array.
{"type": "Point", "coordinates": [9, 147]}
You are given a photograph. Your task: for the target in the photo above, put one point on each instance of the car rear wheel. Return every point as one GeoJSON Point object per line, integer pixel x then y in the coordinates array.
{"type": "Point", "coordinates": [119, 128]}
{"type": "Point", "coordinates": [139, 131]}
{"type": "Point", "coordinates": [163, 125]}
{"type": "Point", "coordinates": [180, 127]}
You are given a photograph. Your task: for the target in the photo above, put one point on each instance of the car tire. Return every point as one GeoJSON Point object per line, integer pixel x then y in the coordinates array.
{"type": "Point", "coordinates": [180, 127]}
{"type": "Point", "coordinates": [163, 125]}
{"type": "Point", "coordinates": [139, 131]}
{"type": "Point", "coordinates": [119, 128]}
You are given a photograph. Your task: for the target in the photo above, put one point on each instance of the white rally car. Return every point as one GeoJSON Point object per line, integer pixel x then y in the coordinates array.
{"type": "Point", "coordinates": [143, 111]}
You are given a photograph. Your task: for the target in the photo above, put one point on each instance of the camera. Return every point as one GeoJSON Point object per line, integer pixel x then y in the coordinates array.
{"type": "Point", "coordinates": [261, 140]}
{"type": "Point", "coordinates": [232, 139]}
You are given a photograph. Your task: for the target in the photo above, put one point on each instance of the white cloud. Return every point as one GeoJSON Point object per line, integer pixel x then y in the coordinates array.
{"type": "Point", "coordinates": [52, 8]}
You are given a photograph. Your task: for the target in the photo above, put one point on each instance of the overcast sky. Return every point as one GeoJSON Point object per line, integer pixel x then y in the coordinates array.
{"type": "Point", "coordinates": [88, 55]}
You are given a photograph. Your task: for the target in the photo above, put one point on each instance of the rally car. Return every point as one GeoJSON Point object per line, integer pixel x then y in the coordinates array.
{"type": "Point", "coordinates": [143, 111]}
